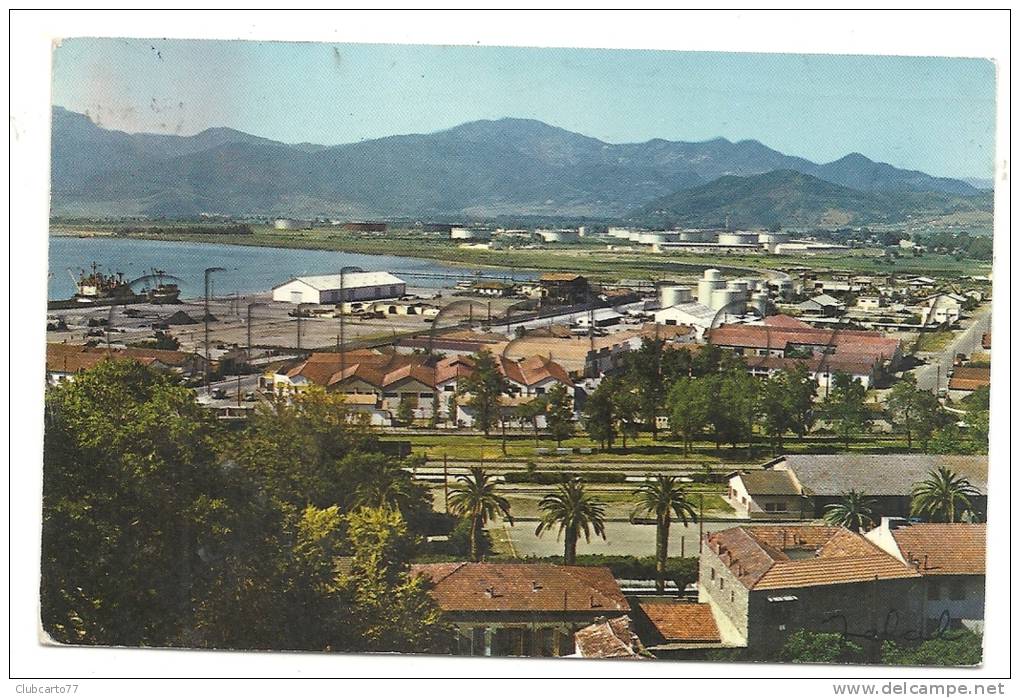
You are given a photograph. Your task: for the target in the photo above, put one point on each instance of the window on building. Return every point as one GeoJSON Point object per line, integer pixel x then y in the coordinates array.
{"type": "Point", "coordinates": [934, 590]}
{"type": "Point", "coordinates": [957, 590]}
{"type": "Point", "coordinates": [722, 583]}
{"type": "Point", "coordinates": [711, 573]}
{"type": "Point", "coordinates": [732, 597]}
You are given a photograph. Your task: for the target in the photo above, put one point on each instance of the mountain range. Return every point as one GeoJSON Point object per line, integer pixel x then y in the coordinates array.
{"type": "Point", "coordinates": [506, 167]}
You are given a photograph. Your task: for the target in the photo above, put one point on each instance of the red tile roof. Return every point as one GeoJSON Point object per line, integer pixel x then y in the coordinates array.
{"type": "Point", "coordinates": [779, 335]}
{"type": "Point", "coordinates": [970, 378]}
{"type": "Point", "coordinates": [934, 548]}
{"type": "Point", "coordinates": [783, 557]}
{"type": "Point", "coordinates": [71, 358]}
{"type": "Point", "coordinates": [682, 622]}
{"type": "Point", "coordinates": [523, 587]}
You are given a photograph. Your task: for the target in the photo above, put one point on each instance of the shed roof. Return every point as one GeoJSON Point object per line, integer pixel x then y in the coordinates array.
{"type": "Point", "coordinates": [681, 622]}
{"type": "Point", "coordinates": [769, 482]}
{"type": "Point", "coordinates": [332, 282]}
{"type": "Point", "coordinates": [877, 475]}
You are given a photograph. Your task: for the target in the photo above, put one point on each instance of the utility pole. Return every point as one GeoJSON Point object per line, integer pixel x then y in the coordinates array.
{"type": "Point", "coordinates": [701, 521]}
{"type": "Point", "coordinates": [343, 313]}
{"type": "Point", "coordinates": [446, 485]}
{"type": "Point", "coordinates": [205, 318]}
{"type": "Point", "coordinates": [248, 327]}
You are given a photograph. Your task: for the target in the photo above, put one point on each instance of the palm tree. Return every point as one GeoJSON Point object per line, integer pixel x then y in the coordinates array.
{"type": "Point", "coordinates": [941, 495]}
{"type": "Point", "coordinates": [474, 497]}
{"type": "Point", "coordinates": [575, 512]}
{"type": "Point", "coordinates": [853, 511]}
{"type": "Point", "coordinates": [665, 497]}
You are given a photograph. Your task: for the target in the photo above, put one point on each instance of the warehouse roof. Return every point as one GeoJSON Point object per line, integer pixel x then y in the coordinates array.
{"type": "Point", "coordinates": [785, 557]}
{"type": "Point", "coordinates": [332, 282]}
{"type": "Point", "coordinates": [509, 587]}
{"type": "Point", "coordinates": [893, 475]}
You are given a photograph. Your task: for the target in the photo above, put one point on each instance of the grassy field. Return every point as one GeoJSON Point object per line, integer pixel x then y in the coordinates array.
{"type": "Point", "coordinates": [642, 455]}
{"type": "Point", "coordinates": [589, 258]}
{"type": "Point", "coordinates": [933, 341]}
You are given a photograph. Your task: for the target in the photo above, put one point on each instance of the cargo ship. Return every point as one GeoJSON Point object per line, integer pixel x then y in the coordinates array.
{"type": "Point", "coordinates": [95, 286]}
{"type": "Point", "coordinates": [163, 292]}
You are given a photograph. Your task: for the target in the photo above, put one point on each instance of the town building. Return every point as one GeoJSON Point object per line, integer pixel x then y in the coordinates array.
{"type": "Point", "coordinates": [357, 286]}
{"type": "Point", "coordinates": [822, 305]}
{"type": "Point", "coordinates": [796, 487]}
{"type": "Point", "coordinates": [64, 361]}
{"type": "Point", "coordinates": [670, 629]}
{"type": "Point", "coordinates": [521, 609]}
{"type": "Point", "coordinates": [564, 288]}
{"type": "Point", "coordinates": [970, 378]}
{"type": "Point", "coordinates": [763, 583]}
{"type": "Point", "coordinates": [495, 289]}
{"type": "Point", "coordinates": [863, 354]}
{"type": "Point", "coordinates": [950, 558]}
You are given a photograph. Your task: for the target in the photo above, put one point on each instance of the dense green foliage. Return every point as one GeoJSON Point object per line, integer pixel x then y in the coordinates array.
{"type": "Point", "coordinates": [955, 648]}
{"type": "Point", "coordinates": [665, 498]}
{"type": "Point", "coordinates": [821, 648]}
{"type": "Point", "coordinates": [161, 529]}
{"type": "Point", "coordinates": [474, 498]}
{"type": "Point", "coordinates": [482, 391]}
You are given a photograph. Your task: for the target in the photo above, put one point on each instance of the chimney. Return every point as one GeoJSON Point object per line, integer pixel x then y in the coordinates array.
{"type": "Point", "coordinates": [592, 603]}
{"type": "Point", "coordinates": [891, 523]}
{"type": "Point", "coordinates": [535, 586]}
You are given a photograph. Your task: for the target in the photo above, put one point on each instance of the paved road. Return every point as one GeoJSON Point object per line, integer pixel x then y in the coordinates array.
{"type": "Point", "coordinates": [622, 538]}
{"type": "Point", "coordinates": [249, 383]}
{"type": "Point", "coordinates": [968, 341]}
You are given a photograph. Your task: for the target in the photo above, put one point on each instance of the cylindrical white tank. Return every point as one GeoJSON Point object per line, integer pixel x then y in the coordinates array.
{"type": "Point", "coordinates": [712, 274]}
{"type": "Point", "coordinates": [760, 303]}
{"type": "Point", "coordinates": [738, 238]}
{"type": "Point", "coordinates": [727, 298]}
{"type": "Point", "coordinates": [469, 234]}
{"type": "Point", "coordinates": [673, 295]}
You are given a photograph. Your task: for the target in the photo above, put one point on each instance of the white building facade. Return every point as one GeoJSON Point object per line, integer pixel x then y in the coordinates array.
{"type": "Point", "coordinates": [356, 286]}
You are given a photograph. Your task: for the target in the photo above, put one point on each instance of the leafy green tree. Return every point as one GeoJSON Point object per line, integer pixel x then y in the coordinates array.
{"type": "Point", "coordinates": [732, 413]}
{"type": "Point", "coordinates": [845, 407]}
{"type": "Point", "coordinates": [530, 411]}
{"type": "Point", "coordinates": [626, 411]}
{"type": "Point", "coordinates": [917, 412]}
{"type": "Point", "coordinates": [954, 648]}
{"type": "Point", "coordinates": [474, 497]}
{"type": "Point", "coordinates": [483, 390]}
{"type": "Point", "coordinates": [942, 496]}
{"type": "Point", "coordinates": [133, 498]}
{"type": "Point", "coordinates": [575, 513]}
{"type": "Point", "coordinates": [405, 410]}
{"type": "Point", "coordinates": [599, 413]}
{"type": "Point", "coordinates": [559, 414]}
{"type": "Point", "coordinates": [853, 511]}
{"type": "Point", "coordinates": [820, 648]}
{"type": "Point", "coordinates": [665, 498]}
{"type": "Point", "coordinates": [786, 404]}
{"type": "Point", "coordinates": [688, 404]}
{"type": "Point", "coordinates": [387, 608]}
{"type": "Point", "coordinates": [977, 417]}
{"type": "Point", "coordinates": [643, 369]}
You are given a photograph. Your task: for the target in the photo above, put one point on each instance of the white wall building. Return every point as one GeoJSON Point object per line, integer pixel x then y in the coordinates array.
{"type": "Point", "coordinates": [357, 286]}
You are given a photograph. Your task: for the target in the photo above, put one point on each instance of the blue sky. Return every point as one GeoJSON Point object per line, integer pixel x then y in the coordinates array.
{"type": "Point", "coordinates": [931, 114]}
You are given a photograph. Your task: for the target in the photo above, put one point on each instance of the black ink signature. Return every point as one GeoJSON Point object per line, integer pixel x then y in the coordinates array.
{"type": "Point", "coordinates": [890, 629]}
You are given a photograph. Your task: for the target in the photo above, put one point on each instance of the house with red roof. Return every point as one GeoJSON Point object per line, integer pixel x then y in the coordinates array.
{"type": "Point", "coordinates": [951, 559]}
{"type": "Point", "coordinates": [522, 609]}
{"type": "Point", "coordinates": [763, 583]}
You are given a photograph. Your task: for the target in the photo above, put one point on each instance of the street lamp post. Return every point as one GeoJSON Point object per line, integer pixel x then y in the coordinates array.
{"type": "Point", "coordinates": [208, 273]}
{"type": "Point", "coordinates": [340, 348]}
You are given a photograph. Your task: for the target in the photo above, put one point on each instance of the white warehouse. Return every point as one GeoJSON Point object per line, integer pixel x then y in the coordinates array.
{"type": "Point", "coordinates": [357, 286]}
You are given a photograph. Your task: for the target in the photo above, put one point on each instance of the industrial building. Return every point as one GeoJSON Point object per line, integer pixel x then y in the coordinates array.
{"type": "Point", "coordinates": [291, 224]}
{"type": "Point", "coordinates": [470, 234]}
{"type": "Point", "coordinates": [356, 286]}
{"type": "Point", "coordinates": [559, 235]}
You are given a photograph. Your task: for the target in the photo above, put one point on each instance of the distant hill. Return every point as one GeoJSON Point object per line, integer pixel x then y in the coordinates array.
{"type": "Point", "coordinates": [789, 198]}
{"type": "Point", "coordinates": [479, 169]}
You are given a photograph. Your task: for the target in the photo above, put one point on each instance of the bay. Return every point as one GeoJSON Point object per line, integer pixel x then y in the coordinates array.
{"type": "Point", "coordinates": [247, 269]}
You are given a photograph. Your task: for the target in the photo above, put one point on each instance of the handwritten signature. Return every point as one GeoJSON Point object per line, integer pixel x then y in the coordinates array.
{"type": "Point", "coordinates": [890, 629]}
